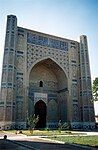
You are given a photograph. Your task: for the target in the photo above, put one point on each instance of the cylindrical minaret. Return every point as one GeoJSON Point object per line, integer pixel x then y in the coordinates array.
{"type": "Point", "coordinates": [87, 108]}
{"type": "Point", "coordinates": [8, 74]}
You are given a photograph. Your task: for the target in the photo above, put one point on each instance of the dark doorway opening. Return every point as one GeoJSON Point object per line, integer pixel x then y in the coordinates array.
{"type": "Point", "coordinates": [40, 110]}
{"type": "Point", "coordinates": [41, 84]}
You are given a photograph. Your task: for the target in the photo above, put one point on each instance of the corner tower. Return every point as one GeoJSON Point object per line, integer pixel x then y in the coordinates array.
{"type": "Point", "coordinates": [87, 108]}
{"type": "Point", "coordinates": [7, 105]}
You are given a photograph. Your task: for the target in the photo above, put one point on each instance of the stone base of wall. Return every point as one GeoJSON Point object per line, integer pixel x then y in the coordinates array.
{"type": "Point", "coordinates": [83, 125]}
{"type": "Point", "coordinates": [7, 125]}
{"type": "Point", "coordinates": [12, 125]}
{"type": "Point", "coordinates": [52, 125]}
{"type": "Point", "coordinates": [22, 125]}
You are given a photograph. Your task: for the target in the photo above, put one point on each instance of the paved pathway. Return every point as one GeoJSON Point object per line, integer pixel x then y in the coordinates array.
{"type": "Point", "coordinates": [23, 142]}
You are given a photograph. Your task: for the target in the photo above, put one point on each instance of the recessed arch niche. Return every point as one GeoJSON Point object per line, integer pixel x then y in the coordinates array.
{"type": "Point", "coordinates": [48, 77]}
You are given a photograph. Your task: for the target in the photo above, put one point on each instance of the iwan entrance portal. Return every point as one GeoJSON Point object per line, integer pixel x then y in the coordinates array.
{"type": "Point", "coordinates": [48, 86]}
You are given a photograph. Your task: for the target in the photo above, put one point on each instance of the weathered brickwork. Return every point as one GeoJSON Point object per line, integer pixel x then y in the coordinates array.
{"type": "Point", "coordinates": [47, 76]}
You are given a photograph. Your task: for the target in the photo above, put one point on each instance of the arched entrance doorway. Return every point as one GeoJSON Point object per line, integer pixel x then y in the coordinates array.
{"type": "Point", "coordinates": [40, 110]}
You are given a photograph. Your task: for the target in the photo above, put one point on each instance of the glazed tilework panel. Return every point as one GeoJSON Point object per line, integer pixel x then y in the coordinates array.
{"type": "Point", "coordinates": [35, 53]}
{"type": "Point", "coordinates": [48, 42]}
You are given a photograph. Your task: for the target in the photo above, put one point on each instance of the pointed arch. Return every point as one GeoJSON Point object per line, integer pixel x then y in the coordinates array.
{"type": "Point", "coordinates": [43, 59]}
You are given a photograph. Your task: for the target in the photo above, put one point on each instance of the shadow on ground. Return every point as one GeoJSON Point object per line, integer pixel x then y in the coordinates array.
{"type": "Point", "coordinates": [5, 144]}
{"type": "Point", "coordinates": [36, 145]}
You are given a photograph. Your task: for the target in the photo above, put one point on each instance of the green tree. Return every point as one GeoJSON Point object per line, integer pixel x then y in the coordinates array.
{"type": "Point", "coordinates": [32, 121]}
{"type": "Point", "coordinates": [95, 89]}
{"type": "Point", "coordinates": [59, 126]}
{"type": "Point", "coordinates": [63, 126]}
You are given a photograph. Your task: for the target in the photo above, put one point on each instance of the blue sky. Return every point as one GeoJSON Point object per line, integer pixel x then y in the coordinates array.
{"type": "Point", "coordinates": [65, 18]}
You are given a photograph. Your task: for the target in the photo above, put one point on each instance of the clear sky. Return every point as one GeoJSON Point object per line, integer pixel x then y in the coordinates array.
{"type": "Point", "coordinates": [65, 18]}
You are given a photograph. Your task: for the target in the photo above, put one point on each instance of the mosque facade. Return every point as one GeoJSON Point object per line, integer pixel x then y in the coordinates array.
{"type": "Point", "coordinates": [45, 75]}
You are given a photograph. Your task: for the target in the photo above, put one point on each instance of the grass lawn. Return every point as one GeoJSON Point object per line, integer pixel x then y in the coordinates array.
{"type": "Point", "coordinates": [1, 131]}
{"type": "Point", "coordinates": [84, 140]}
{"type": "Point", "coordinates": [55, 135]}
{"type": "Point", "coordinates": [44, 132]}
{"type": "Point", "coordinates": [48, 133]}
{"type": "Point", "coordinates": [8, 131]}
